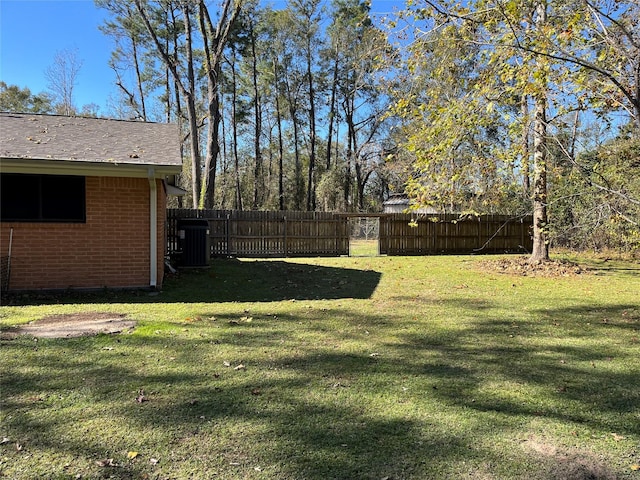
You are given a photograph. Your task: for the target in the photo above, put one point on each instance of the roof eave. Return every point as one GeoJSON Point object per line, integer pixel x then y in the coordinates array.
{"type": "Point", "coordinates": [87, 169]}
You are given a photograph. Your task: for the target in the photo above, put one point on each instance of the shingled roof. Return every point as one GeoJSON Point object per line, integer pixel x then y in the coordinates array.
{"type": "Point", "coordinates": [92, 140]}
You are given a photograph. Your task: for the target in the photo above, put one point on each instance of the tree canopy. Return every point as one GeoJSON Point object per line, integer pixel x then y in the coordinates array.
{"type": "Point", "coordinates": [516, 107]}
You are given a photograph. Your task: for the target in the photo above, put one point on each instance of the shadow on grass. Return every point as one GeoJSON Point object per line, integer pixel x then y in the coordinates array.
{"type": "Point", "coordinates": [568, 380]}
{"type": "Point", "coordinates": [233, 280]}
{"type": "Point", "coordinates": [309, 410]}
{"type": "Point", "coordinates": [307, 435]}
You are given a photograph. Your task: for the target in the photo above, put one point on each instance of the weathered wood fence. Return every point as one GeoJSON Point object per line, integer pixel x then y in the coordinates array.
{"type": "Point", "coordinates": [290, 234]}
{"type": "Point", "coordinates": [266, 234]}
{"type": "Point", "coordinates": [404, 234]}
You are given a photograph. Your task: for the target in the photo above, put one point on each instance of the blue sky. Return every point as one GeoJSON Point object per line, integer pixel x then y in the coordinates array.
{"type": "Point", "coordinates": [32, 31]}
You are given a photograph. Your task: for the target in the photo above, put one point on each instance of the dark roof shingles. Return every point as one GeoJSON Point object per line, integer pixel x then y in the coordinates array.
{"type": "Point", "coordinates": [94, 140]}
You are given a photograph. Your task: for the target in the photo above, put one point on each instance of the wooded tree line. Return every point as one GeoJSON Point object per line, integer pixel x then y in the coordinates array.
{"type": "Point", "coordinates": [282, 109]}
{"type": "Point", "coordinates": [487, 106]}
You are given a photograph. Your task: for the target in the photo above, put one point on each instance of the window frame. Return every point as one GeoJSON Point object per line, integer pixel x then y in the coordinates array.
{"type": "Point", "coordinates": [45, 187]}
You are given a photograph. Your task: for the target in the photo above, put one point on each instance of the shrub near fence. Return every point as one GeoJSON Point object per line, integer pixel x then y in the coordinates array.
{"type": "Point", "coordinates": [402, 234]}
{"type": "Point", "coordinates": [266, 234]}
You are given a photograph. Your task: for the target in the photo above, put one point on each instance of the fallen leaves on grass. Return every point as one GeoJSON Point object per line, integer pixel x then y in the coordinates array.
{"type": "Point", "coordinates": [141, 396]}
{"type": "Point", "coordinates": [107, 462]}
{"type": "Point", "coordinates": [132, 455]}
{"type": "Point", "coordinates": [521, 266]}
{"type": "Point", "coordinates": [245, 319]}
{"type": "Point", "coordinates": [240, 366]}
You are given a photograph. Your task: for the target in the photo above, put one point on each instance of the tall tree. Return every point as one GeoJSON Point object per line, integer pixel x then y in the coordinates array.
{"type": "Point", "coordinates": [306, 15]}
{"type": "Point", "coordinates": [257, 115]}
{"type": "Point", "coordinates": [284, 85]}
{"type": "Point", "coordinates": [21, 100]}
{"type": "Point", "coordinates": [184, 77]}
{"type": "Point", "coordinates": [127, 32]}
{"type": "Point", "coordinates": [546, 50]}
{"type": "Point", "coordinates": [62, 77]}
{"type": "Point", "coordinates": [540, 250]}
{"type": "Point", "coordinates": [274, 44]}
{"type": "Point", "coordinates": [359, 52]}
{"type": "Point", "coordinates": [215, 39]}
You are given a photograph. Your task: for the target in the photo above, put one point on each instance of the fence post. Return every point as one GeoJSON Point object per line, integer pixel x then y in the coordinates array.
{"type": "Point", "coordinates": [286, 246]}
{"type": "Point", "coordinates": [227, 230]}
{"type": "Point", "coordinates": [337, 234]}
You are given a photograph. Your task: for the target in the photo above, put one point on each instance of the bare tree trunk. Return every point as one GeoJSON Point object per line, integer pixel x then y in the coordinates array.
{"type": "Point", "coordinates": [540, 221]}
{"type": "Point", "coordinates": [352, 147]}
{"type": "Point", "coordinates": [298, 195]}
{"type": "Point", "coordinates": [311, 190]}
{"type": "Point", "coordinates": [332, 109]}
{"type": "Point", "coordinates": [188, 92]}
{"type": "Point", "coordinates": [225, 157]}
{"type": "Point", "coordinates": [281, 202]}
{"type": "Point", "coordinates": [540, 251]}
{"type": "Point", "coordinates": [258, 183]}
{"type": "Point", "coordinates": [176, 88]}
{"type": "Point", "coordinates": [207, 192]}
{"type": "Point", "coordinates": [524, 110]}
{"type": "Point", "coordinates": [139, 79]}
{"type": "Point", "coordinates": [191, 110]}
{"type": "Point", "coordinates": [214, 40]}
{"type": "Point", "coordinates": [234, 129]}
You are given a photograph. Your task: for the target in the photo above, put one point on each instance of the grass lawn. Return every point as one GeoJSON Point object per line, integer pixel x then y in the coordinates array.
{"type": "Point", "coordinates": [335, 368]}
{"type": "Point", "coordinates": [363, 248]}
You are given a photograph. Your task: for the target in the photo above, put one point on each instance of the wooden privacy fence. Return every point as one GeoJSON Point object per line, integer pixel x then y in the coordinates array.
{"type": "Point", "coordinates": [265, 234]}
{"type": "Point", "coordinates": [404, 234]}
{"type": "Point", "coordinates": [288, 234]}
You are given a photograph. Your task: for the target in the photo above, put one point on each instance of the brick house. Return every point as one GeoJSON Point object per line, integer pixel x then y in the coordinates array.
{"type": "Point", "coordinates": [84, 201]}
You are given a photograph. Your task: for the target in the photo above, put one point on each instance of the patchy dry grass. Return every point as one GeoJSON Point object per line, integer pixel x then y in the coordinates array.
{"type": "Point", "coordinates": [346, 368]}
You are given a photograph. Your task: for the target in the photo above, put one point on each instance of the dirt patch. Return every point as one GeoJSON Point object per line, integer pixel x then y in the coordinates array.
{"type": "Point", "coordinates": [72, 325]}
{"type": "Point", "coordinates": [567, 463]}
{"type": "Point", "coordinates": [522, 267]}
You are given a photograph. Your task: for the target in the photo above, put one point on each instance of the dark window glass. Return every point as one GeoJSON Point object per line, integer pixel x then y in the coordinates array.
{"type": "Point", "coordinates": [42, 198]}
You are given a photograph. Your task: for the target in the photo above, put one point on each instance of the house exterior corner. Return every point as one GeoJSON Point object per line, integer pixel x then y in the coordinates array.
{"type": "Point", "coordinates": [84, 201]}
{"type": "Point", "coordinates": [110, 250]}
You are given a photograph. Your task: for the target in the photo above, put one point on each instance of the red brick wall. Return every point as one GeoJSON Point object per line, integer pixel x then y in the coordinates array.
{"type": "Point", "coordinates": [110, 250]}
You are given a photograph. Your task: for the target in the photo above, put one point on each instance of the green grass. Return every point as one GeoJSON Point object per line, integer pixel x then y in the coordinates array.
{"type": "Point", "coordinates": [363, 248]}
{"type": "Point", "coordinates": [354, 368]}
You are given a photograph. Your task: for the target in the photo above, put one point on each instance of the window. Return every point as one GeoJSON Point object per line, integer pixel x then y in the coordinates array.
{"type": "Point", "coordinates": [42, 198]}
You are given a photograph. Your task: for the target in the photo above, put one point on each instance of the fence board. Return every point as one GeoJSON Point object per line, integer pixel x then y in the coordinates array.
{"type": "Point", "coordinates": [266, 234]}
{"type": "Point", "coordinates": [289, 234]}
{"type": "Point", "coordinates": [402, 234]}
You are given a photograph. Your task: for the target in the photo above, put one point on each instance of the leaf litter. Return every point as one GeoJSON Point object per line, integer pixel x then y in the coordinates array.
{"type": "Point", "coordinates": [521, 266]}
